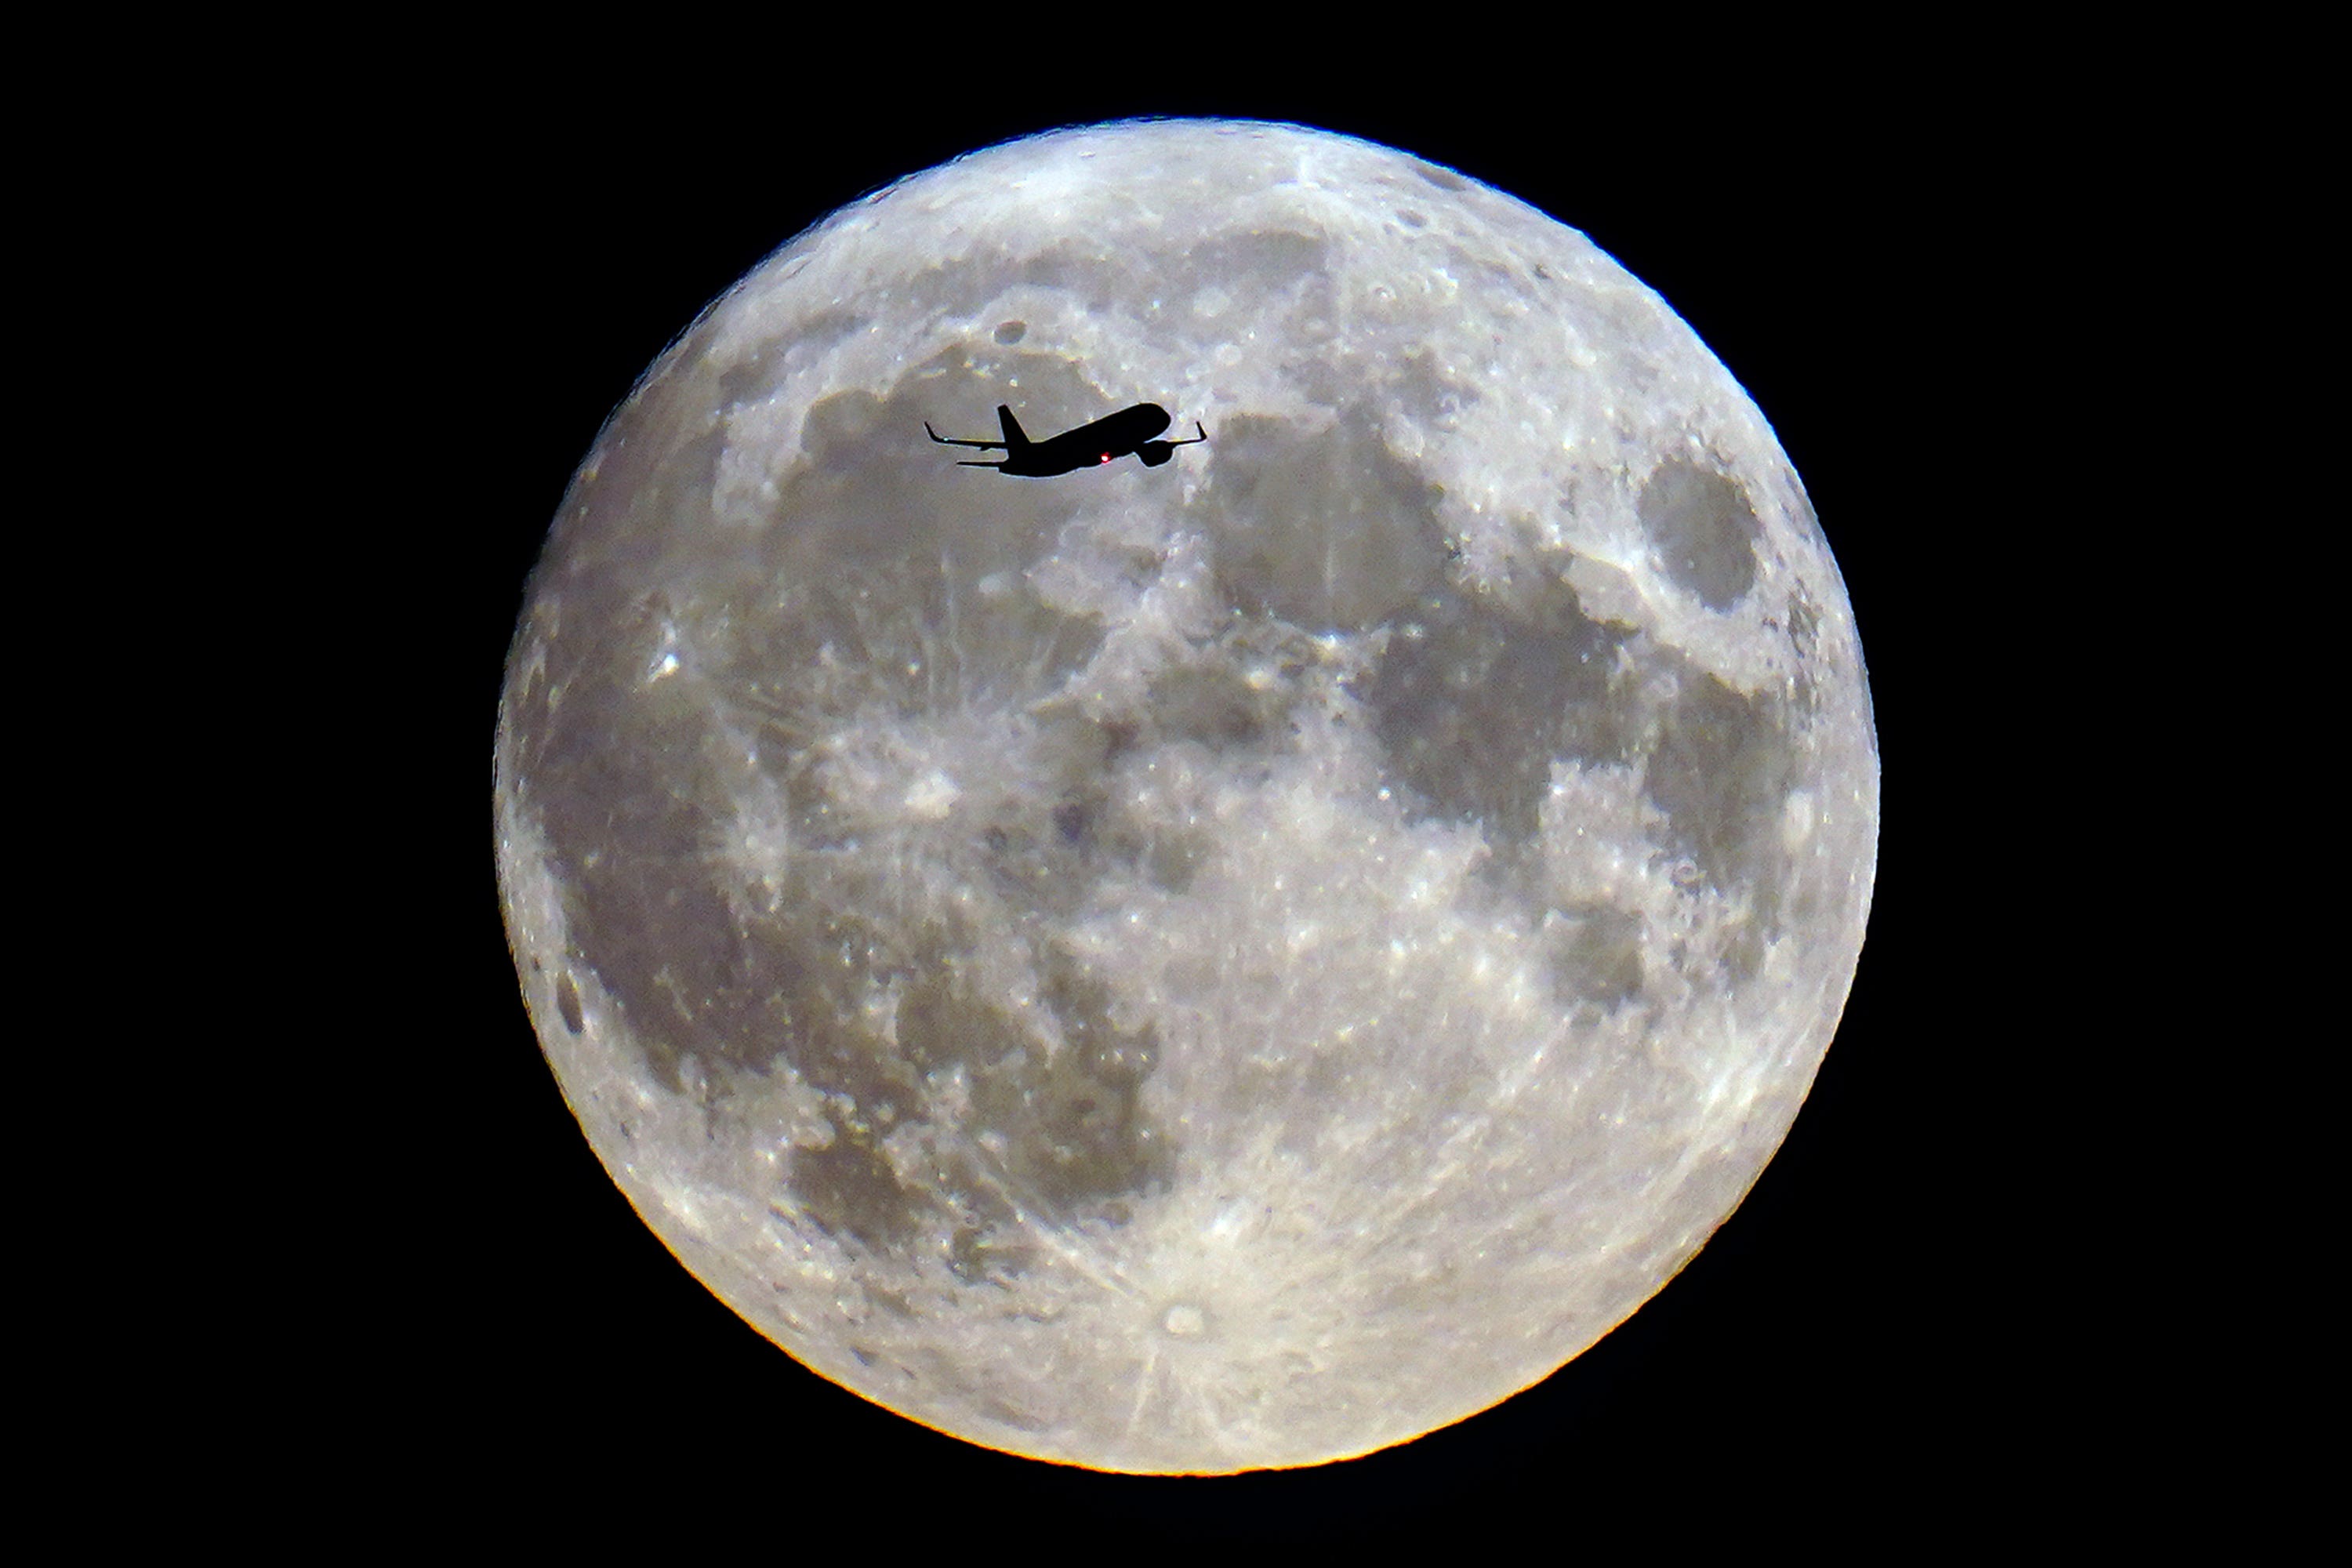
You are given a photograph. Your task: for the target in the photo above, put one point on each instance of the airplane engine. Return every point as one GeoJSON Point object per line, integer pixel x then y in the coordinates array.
{"type": "Point", "coordinates": [1155, 452]}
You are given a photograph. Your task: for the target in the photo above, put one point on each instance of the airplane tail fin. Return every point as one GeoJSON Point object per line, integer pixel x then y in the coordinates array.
{"type": "Point", "coordinates": [1014, 438]}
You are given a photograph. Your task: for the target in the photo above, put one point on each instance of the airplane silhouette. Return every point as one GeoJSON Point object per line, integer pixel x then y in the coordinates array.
{"type": "Point", "coordinates": [1087, 447]}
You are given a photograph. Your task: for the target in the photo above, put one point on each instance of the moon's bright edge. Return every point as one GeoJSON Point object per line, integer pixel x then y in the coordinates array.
{"type": "Point", "coordinates": [1227, 966]}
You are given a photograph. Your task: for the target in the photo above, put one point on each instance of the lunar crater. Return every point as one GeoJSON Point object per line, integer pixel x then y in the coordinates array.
{"type": "Point", "coordinates": [1705, 530]}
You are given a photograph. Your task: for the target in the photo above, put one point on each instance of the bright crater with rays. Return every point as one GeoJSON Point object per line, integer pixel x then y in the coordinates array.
{"type": "Point", "coordinates": [1232, 964]}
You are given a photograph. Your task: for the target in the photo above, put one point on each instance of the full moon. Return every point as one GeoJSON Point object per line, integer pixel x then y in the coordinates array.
{"type": "Point", "coordinates": [1229, 963]}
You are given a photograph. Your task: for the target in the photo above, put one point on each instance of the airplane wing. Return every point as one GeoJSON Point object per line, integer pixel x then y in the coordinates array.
{"type": "Point", "coordinates": [951, 441]}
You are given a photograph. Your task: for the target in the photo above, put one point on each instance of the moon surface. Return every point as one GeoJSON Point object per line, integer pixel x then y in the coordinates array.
{"type": "Point", "coordinates": [1193, 969]}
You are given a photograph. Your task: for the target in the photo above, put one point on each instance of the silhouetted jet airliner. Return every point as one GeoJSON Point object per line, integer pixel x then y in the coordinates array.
{"type": "Point", "coordinates": [1087, 447]}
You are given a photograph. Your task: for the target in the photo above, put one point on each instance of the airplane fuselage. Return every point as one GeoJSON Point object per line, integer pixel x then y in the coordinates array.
{"type": "Point", "coordinates": [1108, 438]}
